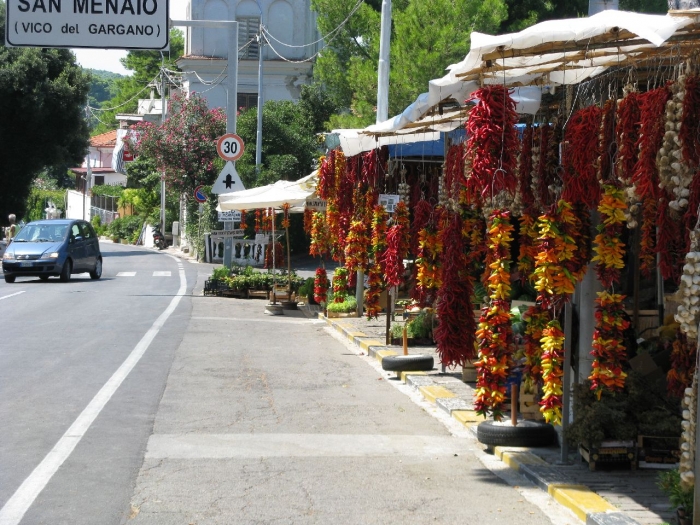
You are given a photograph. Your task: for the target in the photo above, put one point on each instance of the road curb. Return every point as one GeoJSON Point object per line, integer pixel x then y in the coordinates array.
{"type": "Point", "coordinates": [588, 506]}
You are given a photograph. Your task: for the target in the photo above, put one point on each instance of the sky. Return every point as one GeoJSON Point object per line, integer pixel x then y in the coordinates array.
{"type": "Point", "coordinates": [108, 59]}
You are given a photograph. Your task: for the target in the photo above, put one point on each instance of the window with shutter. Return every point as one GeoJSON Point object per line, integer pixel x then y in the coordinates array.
{"type": "Point", "coordinates": [248, 27]}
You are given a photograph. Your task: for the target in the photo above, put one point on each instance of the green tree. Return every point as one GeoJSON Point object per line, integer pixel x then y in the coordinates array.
{"type": "Point", "coordinates": [42, 122]}
{"type": "Point", "coordinates": [427, 36]}
{"type": "Point", "coordinates": [289, 139]}
{"type": "Point", "coordinates": [146, 67]}
{"type": "Point", "coordinates": [184, 146]}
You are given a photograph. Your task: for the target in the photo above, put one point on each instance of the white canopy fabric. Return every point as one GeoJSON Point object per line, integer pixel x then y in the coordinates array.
{"type": "Point", "coordinates": [274, 195]}
{"type": "Point", "coordinates": [551, 53]}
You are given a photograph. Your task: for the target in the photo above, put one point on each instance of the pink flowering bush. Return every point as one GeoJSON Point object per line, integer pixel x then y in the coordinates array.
{"type": "Point", "coordinates": [184, 146]}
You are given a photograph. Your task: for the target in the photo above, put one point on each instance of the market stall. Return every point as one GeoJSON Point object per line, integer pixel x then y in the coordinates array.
{"type": "Point", "coordinates": [593, 196]}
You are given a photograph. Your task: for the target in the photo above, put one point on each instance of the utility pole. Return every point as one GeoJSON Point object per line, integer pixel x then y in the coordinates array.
{"type": "Point", "coordinates": [163, 112]}
{"type": "Point", "coordinates": [382, 115]}
{"type": "Point", "coordinates": [258, 136]}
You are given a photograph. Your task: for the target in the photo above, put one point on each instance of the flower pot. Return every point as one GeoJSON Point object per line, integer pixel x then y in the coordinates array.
{"type": "Point", "coordinates": [683, 517]}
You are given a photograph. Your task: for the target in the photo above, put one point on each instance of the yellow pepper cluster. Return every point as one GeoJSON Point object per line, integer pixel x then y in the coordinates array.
{"type": "Point", "coordinates": [609, 352]}
{"type": "Point", "coordinates": [494, 334]}
{"type": "Point", "coordinates": [528, 245]}
{"type": "Point", "coordinates": [609, 248]}
{"type": "Point", "coordinates": [375, 283]}
{"type": "Point", "coordinates": [320, 240]}
{"type": "Point", "coordinates": [552, 373]}
{"type": "Point", "coordinates": [556, 248]}
{"type": "Point", "coordinates": [537, 318]}
{"type": "Point", "coordinates": [429, 275]}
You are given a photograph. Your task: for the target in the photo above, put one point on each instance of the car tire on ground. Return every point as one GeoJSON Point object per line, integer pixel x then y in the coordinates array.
{"type": "Point", "coordinates": [97, 272]}
{"type": "Point", "coordinates": [9, 278]}
{"type": "Point", "coordinates": [407, 363]}
{"type": "Point", "coordinates": [65, 271]}
{"type": "Point", "coordinates": [44, 277]}
{"type": "Point", "coordinates": [524, 434]}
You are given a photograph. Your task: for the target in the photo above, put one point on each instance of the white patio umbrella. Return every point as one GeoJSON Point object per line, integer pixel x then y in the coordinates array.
{"type": "Point", "coordinates": [275, 196]}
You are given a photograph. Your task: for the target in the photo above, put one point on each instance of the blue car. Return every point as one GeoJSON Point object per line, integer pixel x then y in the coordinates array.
{"type": "Point", "coordinates": [55, 247]}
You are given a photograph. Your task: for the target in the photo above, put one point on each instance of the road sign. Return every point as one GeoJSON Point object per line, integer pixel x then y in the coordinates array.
{"type": "Point", "coordinates": [227, 181]}
{"type": "Point", "coordinates": [235, 234]}
{"type": "Point", "coordinates": [230, 147]}
{"type": "Point", "coordinates": [199, 195]}
{"type": "Point", "coordinates": [113, 24]}
{"type": "Point", "coordinates": [230, 216]}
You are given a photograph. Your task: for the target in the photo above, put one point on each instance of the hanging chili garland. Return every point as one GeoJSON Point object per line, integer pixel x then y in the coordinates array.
{"type": "Point", "coordinates": [340, 284]}
{"type": "Point", "coordinates": [552, 363]}
{"type": "Point", "coordinates": [609, 248]}
{"type": "Point", "coordinates": [683, 359]}
{"type": "Point", "coordinates": [454, 334]}
{"type": "Point", "coordinates": [321, 285]}
{"type": "Point", "coordinates": [494, 334]}
{"type": "Point", "coordinates": [537, 317]}
{"type": "Point", "coordinates": [357, 246]}
{"type": "Point", "coordinates": [375, 284]}
{"type": "Point", "coordinates": [285, 216]}
{"type": "Point", "coordinates": [579, 156]}
{"type": "Point", "coordinates": [609, 351]}
{"type": "Point", "coordinates": [398, 243]}
{"type": "Point", "coordinates": [527, 246]}
{"type": "Point", "coordinates": [258, 221]}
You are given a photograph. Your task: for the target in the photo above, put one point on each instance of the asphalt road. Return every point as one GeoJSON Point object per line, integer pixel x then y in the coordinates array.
{"type": "Point", "coordinates": [60, 345]}
{"type": "Point", "coordinates": [134, 399]}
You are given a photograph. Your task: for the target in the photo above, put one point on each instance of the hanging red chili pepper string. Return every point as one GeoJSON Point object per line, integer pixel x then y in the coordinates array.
{"type": "Point", "coordinates": [285, 217]}
{"type": "Point", "coordinates": [421, 216]}
{"type": "Point", "coordinates": [528, 246]}
{"type": "Point", "coordinates": [651, 135]}
{"type": "Point", "coordinates": [606, 144]}
{"type": "Point", "coordinates": [340, 284]}
{"type": "Point", "coordinates": [683, 355]}
{"type": "Point", "coordinates": [398, 242]}
{"type": "Point", "coordinates": [524, 171]}
{"type": "Point", "coordinates": [579, 156]}
{"type": "Point", "coordinates": [492, 143]}
{"type": "Point", "coordinates": [258, 221]}
{"type": "Point", "coordinates": [454, 334]}
{"type": "Point", "coordinates": [537, 317]}
{"type": "Point", "coordinates": [326, 177]}
{"type": "Point", "coordinates": [244, 219]}
{"type": "Point", "coordinates": [494, 334]}
{"type": "Point", "coordinates": [321, 285]}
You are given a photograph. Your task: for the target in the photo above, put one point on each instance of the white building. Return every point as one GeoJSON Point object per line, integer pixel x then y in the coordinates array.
{"type": "Point", "coordinates": [286, 59]}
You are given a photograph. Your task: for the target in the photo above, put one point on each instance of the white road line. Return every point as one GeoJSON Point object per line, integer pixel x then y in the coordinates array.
{"type": "Point", "coordinates": [22, 499]}
{"type": "Point", "coordinates": [11, 295]}
{"type": "Point", "coordinates": [126, 274]}
{"type": "Point", "coordinates": [161, 274]}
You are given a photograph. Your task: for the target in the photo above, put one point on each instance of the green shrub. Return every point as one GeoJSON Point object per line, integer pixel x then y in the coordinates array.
{"type": "Point", "coordinates": [679, 495]}
{"type": "Point", "coordinates": [307, 287]}
{"type": "Point", "coordinates": [125, 227]}
{"type": "Point", "coordinates": [220, 273]}
{"type": "Point", "coordinates": [349, 305]}
{"type": "Point", "coordinates": [38, 201]}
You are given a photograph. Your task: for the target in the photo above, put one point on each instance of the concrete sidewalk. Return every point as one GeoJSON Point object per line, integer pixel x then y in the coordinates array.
{"type": "Point", "coordinates": [611, 497]}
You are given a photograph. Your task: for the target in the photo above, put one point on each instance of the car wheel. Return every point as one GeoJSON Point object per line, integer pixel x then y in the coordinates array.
{"type": "Point", "coordinates": [9, 278]}
{"type": "Point", "coordinates": [407, 363]}
{"type": "Point", "coordinates": [524, 434]}
{"type": "Point", "coordinates": [97, 272]}
{"type": "Point", "coordinates": [44, 277]}
{"type": "Point", "coordinates": [65, 271]}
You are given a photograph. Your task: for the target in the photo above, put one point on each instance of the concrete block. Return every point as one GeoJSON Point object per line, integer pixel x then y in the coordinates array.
{"type": "Point", "coordinates": [609, 518]}
{"type": "Point", "coordinates": [580, 499]}
{"type": "Point", "coordinates": [432, 392]}
{"type": "Point", "coordinates": [450, 404]}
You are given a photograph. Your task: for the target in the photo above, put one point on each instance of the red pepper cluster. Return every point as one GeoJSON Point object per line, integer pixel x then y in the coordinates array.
{"type": "Point", "coordinates": [606, 142]}
{"type": "Point", "coordinates": [285, 217]}
{"type": "Point", "coordinates": [376, 269]}
{"type": "Point", "coordinates": [321, 285]}
{"type": "Point", "coordinates": [525, 169]}
{"type": "Point", "coordinates": [680, 376]}
{"type": "Point", "coordinates": [609, 350]}
{"type": "Point", "coordinates": [279, 256]}
{"type": "Point", "coordinates": [492, 143]}
{"type": "Point", "coordinates": [357, 247]}
{"type": "Point", "coordinates": [579, 155]}
{"type": "Point", "coordinates": [455, 333]}
{"type": "Point", "coordinates": [340, 284]}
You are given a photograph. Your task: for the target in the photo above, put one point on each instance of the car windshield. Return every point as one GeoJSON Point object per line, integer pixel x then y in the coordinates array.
{"type": "Point", "coordinates": [42, 233]}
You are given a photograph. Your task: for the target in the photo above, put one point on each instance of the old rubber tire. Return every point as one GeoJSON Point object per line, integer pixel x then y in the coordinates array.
{"type": "Point", "coordinates": [525, 434]}
{"type": "Point", "coordinates": [65, 271]}
{"type": "Point", "coordinates": [407, 363]}
{"type": "Point", "coordinates": [9, 278]}
{"type": "Point", "coordinates": [96, 273]}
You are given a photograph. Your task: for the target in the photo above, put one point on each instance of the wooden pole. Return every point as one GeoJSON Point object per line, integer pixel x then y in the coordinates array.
{"type": "Point", "coordinates": [514, 404]}
{"type": "Point", "coordinates": [405, 340]}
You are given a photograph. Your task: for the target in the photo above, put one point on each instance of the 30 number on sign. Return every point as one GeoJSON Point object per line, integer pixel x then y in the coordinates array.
{"type": "Point", "coordinates": [230, 147]}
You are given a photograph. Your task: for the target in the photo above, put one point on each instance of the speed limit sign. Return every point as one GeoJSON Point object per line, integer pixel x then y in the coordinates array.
{"type": "Point", "coordinates": [230, 147]}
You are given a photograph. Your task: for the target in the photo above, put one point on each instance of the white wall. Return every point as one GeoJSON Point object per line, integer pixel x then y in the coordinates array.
{"type": "Point", "coordinates": [74, 207]}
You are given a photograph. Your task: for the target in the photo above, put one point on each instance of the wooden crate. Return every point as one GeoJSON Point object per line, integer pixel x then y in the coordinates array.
{"type": "Point", "coordinates": [658, 452]}
{"type": "Point", "coordinates": [529, 407]}
{"type": "Point", "coordinates": [613, 454]}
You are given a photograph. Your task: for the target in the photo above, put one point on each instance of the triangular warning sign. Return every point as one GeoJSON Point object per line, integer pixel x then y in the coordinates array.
{"type": "Point", "coordinates": [227, 181]}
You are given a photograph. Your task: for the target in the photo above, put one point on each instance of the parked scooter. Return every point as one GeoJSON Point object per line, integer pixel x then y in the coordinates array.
{"type": "Point", "coordinates": [159, 239]}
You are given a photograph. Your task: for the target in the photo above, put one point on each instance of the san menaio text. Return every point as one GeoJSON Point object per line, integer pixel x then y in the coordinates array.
{"type": "Point", "coordinates": [91, 7]}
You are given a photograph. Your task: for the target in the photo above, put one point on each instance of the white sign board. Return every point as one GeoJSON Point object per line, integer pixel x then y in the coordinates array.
{"type": "Point", "coordinates": [235, 234]}
{"type": "Point", "coordinates": [103, 24]}
{"type": "Point", "coordinates": [230, 216]}
{"type": "Point", "coordinates": [316, 204]}
{"type": "Point", "coordinates": [389, 202]}
{"type": "Point", "coordinates": [228, 180]}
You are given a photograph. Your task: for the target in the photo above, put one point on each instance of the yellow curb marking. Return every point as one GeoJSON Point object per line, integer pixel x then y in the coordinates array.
{"type": "Point", "coordinates": [431, 393]}
{"type": "Point", "coordinates": [383, 353]}
{"type": "Point", "coordinates": [404, 375]}
{"type": "Point", "coordinates": [467, 417]}
{"type": "Point", "coordinates": [352, 335]}
{"type": "Point", "coordinates": [520, 457]}
{"type": "Point", "coordinates": [366, 344]}
{"type": "Point", "coordinates": [580, 499]}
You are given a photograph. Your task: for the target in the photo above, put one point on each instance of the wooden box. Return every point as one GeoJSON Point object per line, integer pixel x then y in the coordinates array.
{"type": "Point", "coordinates": [614, 454]}
{"type": "Point", "coordinates": [658, 452]}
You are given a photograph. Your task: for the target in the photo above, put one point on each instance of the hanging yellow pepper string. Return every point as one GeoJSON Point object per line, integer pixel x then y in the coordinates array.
{"type": "Point", "coordinates": [376, 269]}
{"type": "Point", "coordinates": [537, 318]}
{"type": "Point", "coordinates": [528, 246]}
{"type": "Point", "coordinates": [494, 334]}
{"type": "Point", "coordinates": [552, 372]}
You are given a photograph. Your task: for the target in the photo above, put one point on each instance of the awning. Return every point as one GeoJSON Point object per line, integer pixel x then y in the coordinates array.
{"type": "Point", "coordinates": [274, 195]}
{"type": "Point", "coordinates": [537, 59]}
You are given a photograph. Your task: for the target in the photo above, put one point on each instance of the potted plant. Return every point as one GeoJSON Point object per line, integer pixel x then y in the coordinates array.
{"type": "Point", "coordinates": [307, 290]}
{"type": "Point", "coordinates": [346, 308]}
{"type": "Point", "coordinates": [680, 496]}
